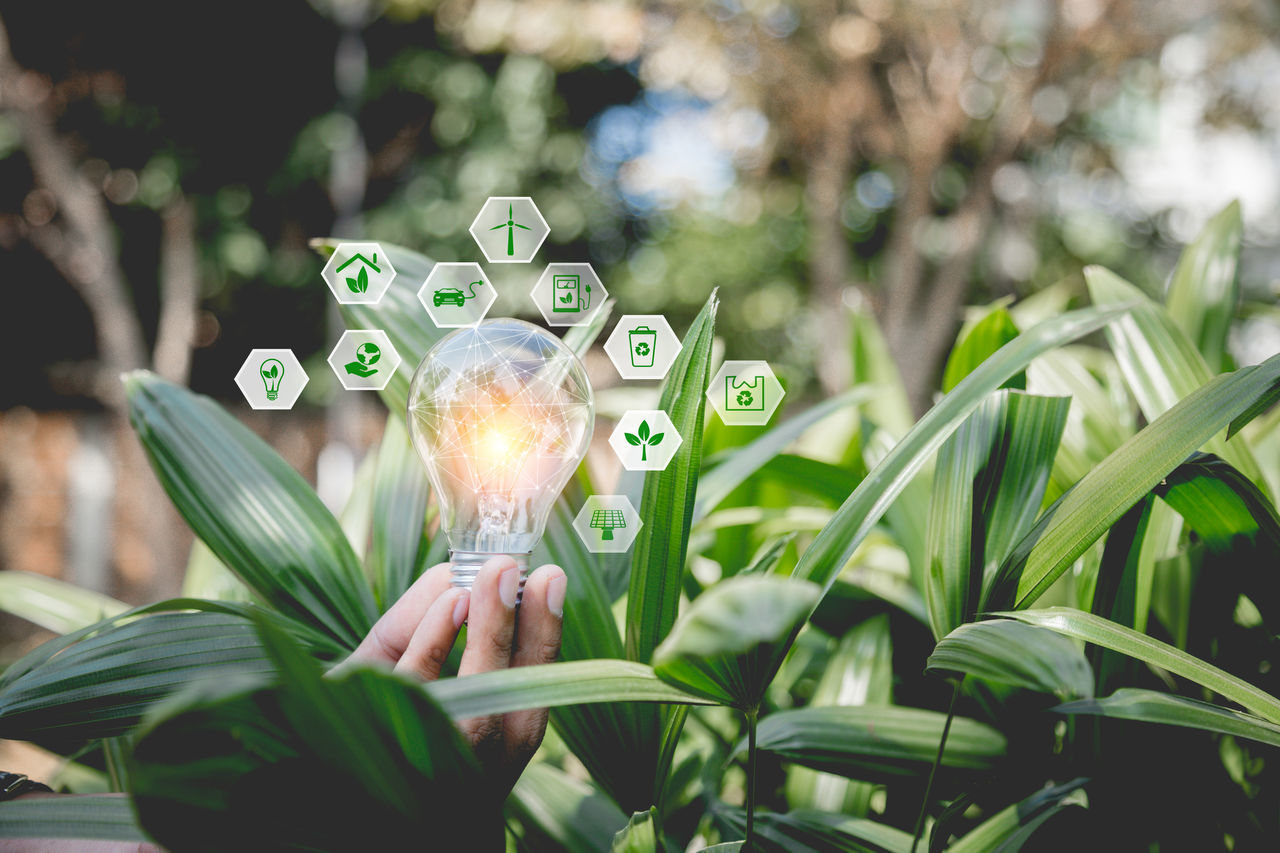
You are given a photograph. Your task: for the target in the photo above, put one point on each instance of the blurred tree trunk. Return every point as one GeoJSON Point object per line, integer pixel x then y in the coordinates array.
{"type": "Point", "coordinates": [80, 241]}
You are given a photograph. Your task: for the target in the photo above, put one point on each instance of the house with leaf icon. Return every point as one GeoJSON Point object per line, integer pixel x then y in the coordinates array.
{"type": "Point", "coordinates": [360, 283]}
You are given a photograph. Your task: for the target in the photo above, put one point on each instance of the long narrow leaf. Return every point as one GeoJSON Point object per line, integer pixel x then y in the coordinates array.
{"type": "Point", "coordinates": [1106, 492]}
{"type": "Point", "coordinates": [552, 685]}
{"type": "Point", "coordinates": [667, 505]}
{"type": "Point", "coordinates": [1204, 289]}
{"type": "Point", "coordinates": [254, 512]}
{"type": "Point", "coordinates": [99, 818]}
{"type": "Point", "coordinates": [1148, 706]}
{"type": "Point", "coordinates": [877, 744]}
{"type": "Point", "coordinates": [52, 604]}
{"type": "Point", "coordinates": [1160, 364]}
{"type": "Point", "coordinates": [1102, 632]}
{"type": "Point", "coordinates": [400, 491]}
{"type": "Point", "coordinates": [833, 546]}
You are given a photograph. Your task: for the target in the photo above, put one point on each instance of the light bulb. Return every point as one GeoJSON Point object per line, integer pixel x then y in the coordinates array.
{"type": "Point", "coordinates": [501, 414]}
{"type": "Point", "coordinates": [272, 371]}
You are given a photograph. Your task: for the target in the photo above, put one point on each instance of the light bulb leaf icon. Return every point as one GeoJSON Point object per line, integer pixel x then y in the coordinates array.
{"type": "Point", "coordinates": [272, 372]}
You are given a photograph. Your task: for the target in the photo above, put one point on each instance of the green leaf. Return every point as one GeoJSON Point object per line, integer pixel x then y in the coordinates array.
{"type": "Point", "coordinates": [554, 684]}
{"type": "Point", "coordinates": [655, 439]}
{"type": "Point", "coordinates": [1009, 829]}
{"type": "Point", "coordinates": [1109, 635]}
{"type": "Point", "coordinates": [564, 813]}
{"type": "Point", "coordinates": [1219, 503]}
{"type": "Point", "coordinates": [52, 604]}
{"type": "Point", "coordinates": [398, 313]}
{"type": "Point", "coordinates": [254, 512]}
{"type": "Point", "coordinates": [809, 831]}
{"type": "Point", "coordinates": [859, 672]}
{"type": "Point", "coordinates": [730, 643]}
{"type": "Point", "coordinates": [990, 479]}
{"type": "Point", "coordinates": [232, 762]}
{"type": "Point", "coordinates": [1085, 513]}
{"type": "Point", "coordinates": [666, 507]}
{"type": "Point", "coordinates": [877, 743]}
{"type": "Point", "coordinates": [101, 818]}
{"type": "Point", "coordinates": [1160, 364]}
{"type": "Point", "coordinates": [99, 681]}
{"type": "Point", "coordinates": [1148, 706]}
{"type": "Point", "coordinates": [400, 490]}
{"type": "Point", "coordinates": [640, 835]}
{"type": "Point", "coordinates": [643, 432]}
{"type": "Point", "coordinates": [1013, 653]}
{"type": "Point", "coordinates": [633, 440]}
{"type": "Point", "coordinates": [986, 337]}
{"type": "Point", "coordinates": [835, 544]}
{"type": "Point", "coordinates": [1204, 290]}
{"type": "Point", "coordinates": [353, 284]}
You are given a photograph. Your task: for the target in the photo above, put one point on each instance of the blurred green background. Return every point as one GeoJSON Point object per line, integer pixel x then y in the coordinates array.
{"type": "Point", "coordinates": [162, 167]}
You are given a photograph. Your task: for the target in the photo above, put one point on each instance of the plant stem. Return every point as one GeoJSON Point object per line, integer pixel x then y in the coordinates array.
{"type": "Point", "coordinates": [752, 714]}
{"type": "Point", "coordinates": [933, 771]}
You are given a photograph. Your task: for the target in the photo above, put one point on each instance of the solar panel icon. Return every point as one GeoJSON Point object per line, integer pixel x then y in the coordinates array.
{"type": "Point", "coordinates": [607, 521]}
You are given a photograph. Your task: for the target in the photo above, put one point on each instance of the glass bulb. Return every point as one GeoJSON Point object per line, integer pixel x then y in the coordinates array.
{"type": "Point", "coordinates": [501, 414]}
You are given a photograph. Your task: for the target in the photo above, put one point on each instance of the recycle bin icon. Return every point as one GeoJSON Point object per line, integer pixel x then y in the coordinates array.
{"type": "Point", "coordinates": [643, 342]}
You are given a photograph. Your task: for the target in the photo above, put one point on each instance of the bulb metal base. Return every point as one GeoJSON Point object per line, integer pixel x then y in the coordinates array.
{"type": "Point", "coordinates": [465, 565]}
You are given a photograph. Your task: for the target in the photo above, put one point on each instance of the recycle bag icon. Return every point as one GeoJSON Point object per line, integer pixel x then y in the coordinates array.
{"type": "Point", "coordinates": [741, 395]}
{"type": "Point", "coordinates": [643, 342]}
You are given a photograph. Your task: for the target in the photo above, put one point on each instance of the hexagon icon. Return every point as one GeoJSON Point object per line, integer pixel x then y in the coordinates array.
{"type": "Point", "coordinates": [745, 393]}
{"type": "Point", "coordinates": [569, 294]}
{"type": "Point", "coordinates": [271, 378]}
{"type": "Point", "coordinates": [642, 346]}
{"type": "Point", "coordinates": [457, 295]}
{"type": "Point", "coordinates": [358, 273]}
{"type": "Point", "coordinates": [607, 523]}
{"type": "Point", "coordinates": [645, 440]}
{"type": "Point", "coordinates": [364, 360]}
{"type": "Point", "coordinates": [509, 229]}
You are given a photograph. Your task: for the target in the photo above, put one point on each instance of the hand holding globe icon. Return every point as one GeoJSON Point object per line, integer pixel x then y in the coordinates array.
{"type": "Point", "coordinates": [367, 355]}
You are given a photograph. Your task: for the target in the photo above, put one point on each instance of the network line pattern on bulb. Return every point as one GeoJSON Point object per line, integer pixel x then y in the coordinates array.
{"type": "Point", "coordinates": [501, 414]}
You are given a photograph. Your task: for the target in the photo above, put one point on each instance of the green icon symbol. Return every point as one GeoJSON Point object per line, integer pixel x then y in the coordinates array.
{"type": "Point", "coordinates": [360, 283]}
{"type": "Point", "coordinates": [367, 356]}
{"type": "Point", "coordinates": [511, 225]}
{"type": "Point", "coordinates": [643, 342]}
{"type": "Point", "coordinates": [607, 521]}
{"type": "Point", "coordinates": [643, 440]}
{"type": "Point", "coordinates": [743, 396]}
{"type": "Point", "coordinates": [454, 295]}
{"type": "Point", "coordinates": [272, 372]}
{"type": "Point", "coordinates": [570, 294]}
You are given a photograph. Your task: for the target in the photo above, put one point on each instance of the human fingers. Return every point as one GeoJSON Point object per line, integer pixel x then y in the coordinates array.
{"type": "Point", "coordinates": [391, 634]}
{"type": "Point", "coordinates": [431, 643]}
{"type": "Point", "coordinates": [537, 641]}
{"type": "Point", "coordinates": [491, 622]}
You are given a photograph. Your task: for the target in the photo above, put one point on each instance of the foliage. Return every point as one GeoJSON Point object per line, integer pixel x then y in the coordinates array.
{"type": "Point", "coordinates": [777, 678]}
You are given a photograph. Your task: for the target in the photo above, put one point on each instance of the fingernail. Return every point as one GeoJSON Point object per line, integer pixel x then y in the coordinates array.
{"type": "Point", "coordinates": [555, 595]}
{"type": "Point", "coordinates": [460, 609]}
{"type": "Point", "coordinates": [508, 586]}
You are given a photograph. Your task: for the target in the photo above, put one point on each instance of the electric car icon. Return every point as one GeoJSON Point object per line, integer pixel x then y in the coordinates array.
{"type": "Point", "coordinates": [454, 295]}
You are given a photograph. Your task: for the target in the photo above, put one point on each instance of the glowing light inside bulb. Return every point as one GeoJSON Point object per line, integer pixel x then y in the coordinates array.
{"type": "Point", "coordinates": [501, 414]}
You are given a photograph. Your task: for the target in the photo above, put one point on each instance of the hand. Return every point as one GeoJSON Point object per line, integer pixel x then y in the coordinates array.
{"type": "Point", "coordinates": [417, 633]}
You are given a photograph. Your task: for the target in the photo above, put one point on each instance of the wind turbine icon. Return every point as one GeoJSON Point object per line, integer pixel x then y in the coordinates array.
{"type": "Point", "coordinates": [511, 225]}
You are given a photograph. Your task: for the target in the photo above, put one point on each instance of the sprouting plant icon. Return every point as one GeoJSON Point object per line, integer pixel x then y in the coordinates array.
{"type": "Point", "coordinates": [745, 399]}
{"type": "Point", "coordinates": [360, 283]}
{"type": "Point", "coordinates": [643, 440]}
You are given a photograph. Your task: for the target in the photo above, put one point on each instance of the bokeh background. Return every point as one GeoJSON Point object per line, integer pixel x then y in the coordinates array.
{"type": "Point", "coordinates": [825, 164]}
